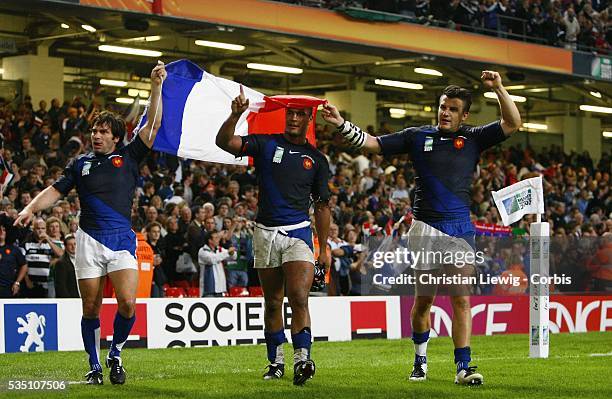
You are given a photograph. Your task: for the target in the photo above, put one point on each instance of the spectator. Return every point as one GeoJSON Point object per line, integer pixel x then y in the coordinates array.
{"type": "Point", "coordinates": [185, 219]}
{"type": "Point", "coordinates": [147, 195]}
{"type": "Point", "coordinates": [13, 268]}
{"type": "Point", "coordinates": [210, 259]}
{"type": "Point", "coordinates": [196, 234]}
{"type": "Point", "coordinates": [40, 251]}
{"type": "Point", "coordinates": [572, 28]}
{"type": "Point", "coordinates": [177, 197]}
{"type": "Point", "coordinates": [210, 225]}
{"type": "Point", "coordinates": [223, 210]}
{"type": "Point", "coordinates": [54, 233]}
{"type": "Point", "coordinates": [400, 192]}
{"type": "Point", "coordinates": [166, 192]}
{"type": "Point", "coordinates": [157, 243]}
{"type": "Point", "coordinates": [53, 114]}
{"type": "Point", "coordinates": [600, 265]}
{"type": "Point", "coordinates": [175, 245]}
{"type": "Point", "coordinates": [241, 239]}
{"type": "Point", "coordinates": [73, 125]}
{"type": "Point", "coordinates": [65, 277]}
{"type": "Point", "coordinates": [209, 210]}
{"type": "Point", "coordinates": [341, 261]}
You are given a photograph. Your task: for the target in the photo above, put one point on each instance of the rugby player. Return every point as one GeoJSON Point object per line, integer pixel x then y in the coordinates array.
{"type": "Point", "coordinates": [444, 157]}
{"type": "Point", "coordinates": [105, 180]}
{"type": "Point", "coordinates": [291, 174]}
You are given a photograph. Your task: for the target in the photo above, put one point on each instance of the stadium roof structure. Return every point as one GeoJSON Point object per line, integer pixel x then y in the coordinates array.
{"type": "Point", "coordinates": [328, 65]}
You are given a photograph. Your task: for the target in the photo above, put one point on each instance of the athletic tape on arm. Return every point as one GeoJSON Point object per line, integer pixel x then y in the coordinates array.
{"type": "Point", "coordinates": [353, 134]}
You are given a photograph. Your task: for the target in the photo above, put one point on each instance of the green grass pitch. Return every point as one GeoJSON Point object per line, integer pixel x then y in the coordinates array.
{"type": "Point", "coordinates": [357, 369]}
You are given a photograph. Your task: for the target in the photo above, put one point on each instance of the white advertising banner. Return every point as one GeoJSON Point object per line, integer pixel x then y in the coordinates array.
{"type": "Point", "coordinates": [190, 322]}
{"type": "Point", "coordinates": [54, 324]}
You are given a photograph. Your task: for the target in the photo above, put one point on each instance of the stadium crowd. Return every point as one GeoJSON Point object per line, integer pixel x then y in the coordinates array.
{"type": "Point", "coordinates": [198, 217]}
{"type": "Point", "coordinates": [573, 24]}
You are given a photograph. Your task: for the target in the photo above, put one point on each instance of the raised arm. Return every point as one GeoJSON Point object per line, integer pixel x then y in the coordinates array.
{"type": "Point", "coordinates": [154, 115]}
{"type": "Point", "coordinates": [43, 200]}
{"type": "Point", "coordinates": [226, 139]}
{"type": "Point", "coordinates": [352, 134]}
{"type": "Point", "coordinates": [510, 115]}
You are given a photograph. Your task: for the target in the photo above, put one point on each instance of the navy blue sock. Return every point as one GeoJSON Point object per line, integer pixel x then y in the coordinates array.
{"type": "Point", "coordinates": [420, 346]}
{"type": "Point", "coordinates": [462, 358]}
{"type": "Point", "coordinates": [420, 359]}
{"type": "Point", "coordinates": [121, 332]}
{"type": "Point", "coordinates": [302, 341]}
{"type": "Point", "coordinates": [90, 331]}
{"type": "Point", "coordinates": [273, 341]}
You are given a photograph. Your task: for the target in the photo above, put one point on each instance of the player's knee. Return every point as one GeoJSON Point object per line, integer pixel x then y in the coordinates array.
{"type": "Point", "coordinates": [461, 303]}
{"type": "Point", "coordinates": [273, 305]}
{"type": "Point", "coordinates": [298, 302]}
{"type": "Point", "coordinates": [127, 307]}
{"type": "Point", "coordinates": [91, 308]}
{"type": "Point", "coordinates": [422, 305]}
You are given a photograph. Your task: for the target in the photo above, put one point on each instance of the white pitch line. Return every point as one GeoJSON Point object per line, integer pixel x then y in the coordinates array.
{"type": "Point", "coordinates": [600, 354]}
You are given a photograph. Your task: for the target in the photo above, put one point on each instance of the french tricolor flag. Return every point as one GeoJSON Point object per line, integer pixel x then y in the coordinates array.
{"type": "Point", "coordinates": [196, 103]}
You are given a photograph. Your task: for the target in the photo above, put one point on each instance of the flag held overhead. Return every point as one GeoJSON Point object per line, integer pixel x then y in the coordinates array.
{"type": "Point", "coordinates": [196, 103]}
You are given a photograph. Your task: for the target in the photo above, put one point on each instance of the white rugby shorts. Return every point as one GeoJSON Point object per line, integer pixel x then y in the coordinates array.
{"type": "Point", "coordinates": [272, 246]}
{"type": "Point", "coordinates": [95, 259]}
{"type": "Point", "coordinates": [430, 242]}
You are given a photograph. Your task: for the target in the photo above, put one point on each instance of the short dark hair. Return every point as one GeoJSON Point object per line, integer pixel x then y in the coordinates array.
{"type": "Point", "coordinates": [464, 95]}
{"type": "Point", "coordinates": [151, 225]}
{"type": "Point", "coordinates": [116, 123]}
{"type": "Point", "coordinates": [210, 234]}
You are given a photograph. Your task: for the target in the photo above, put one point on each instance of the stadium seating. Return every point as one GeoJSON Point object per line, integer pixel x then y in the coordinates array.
{"type": "Point", "coordinates": [255, 291]}
{"type": "Point", "coordinates": [174, 292]}
{"type": "Point", "coordinates": [238, 291]}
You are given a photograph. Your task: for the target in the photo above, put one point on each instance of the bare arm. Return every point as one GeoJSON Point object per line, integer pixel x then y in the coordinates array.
{"type": "Point", "coordinates": [45, 199]}
{"type": "Point", "coordinates": [359, 263]}
{"type": "Point", "coordinates": [226, 139]}
{"type": "Point", "coordinates": [322, 215]}
{"type": "Point", "coordinates": [338, 252]}
{"type": "Point", "coordinates": [510, 115]}
{"type": "Point", "coordinates": [23, 271]}
{"type": "Point", "coordinates": [352, 134]}
{"type": "Point", "coordinates": [55, 248]}
{"type": "Point", "coordinates": [154, 115]}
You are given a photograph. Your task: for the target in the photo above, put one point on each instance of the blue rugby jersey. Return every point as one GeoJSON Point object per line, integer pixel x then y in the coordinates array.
{"type": "Point", "coordinates": [289, 176]}
{"type": "Point", "coordinates": [444, 164]}
{"type": "Point", "coordinates": [106, 185]}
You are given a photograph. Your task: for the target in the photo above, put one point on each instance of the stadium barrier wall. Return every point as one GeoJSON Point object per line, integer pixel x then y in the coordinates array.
{"type": "Point", "coordinates": [32, 325]}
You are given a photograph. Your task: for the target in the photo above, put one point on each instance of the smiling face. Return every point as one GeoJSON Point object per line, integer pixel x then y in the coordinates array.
{"type": "Point", "coordinates": [451, 114]}
{"type": "Point", "coordinates": [102, 139]}
{"type": "Point", "coordinates": [297, 120]}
